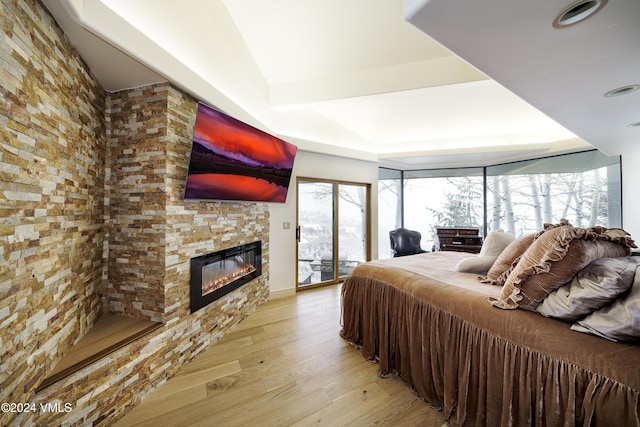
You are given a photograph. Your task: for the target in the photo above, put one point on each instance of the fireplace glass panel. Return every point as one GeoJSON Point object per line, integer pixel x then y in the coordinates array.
{"type": "Point", "coordinates": [216, 274]}
{"type": "Point", "coordinates": [222, 272]}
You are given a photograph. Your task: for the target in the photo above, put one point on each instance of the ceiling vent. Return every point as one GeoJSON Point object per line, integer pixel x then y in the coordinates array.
{"type": "Point", "coordinates": [578, 12]}
{"type": "Point", "coordinates": [622, 91]}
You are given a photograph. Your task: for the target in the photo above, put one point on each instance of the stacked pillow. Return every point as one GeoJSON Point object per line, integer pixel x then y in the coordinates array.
{"type": "Point", "coordinates": [571, 273]}
{"type": "Point", "coordinates": [551, 261]}
{"type": "Point", "coordinates": [597, 285]}
{"type": "Point", "coordinates": [507, 260]}
{"type": "Point", "coordinates": [500, 269]}
{"type": "Point", "coordinates": [619, 321]}
{"type": "Point", "coordinates": [492, 247]}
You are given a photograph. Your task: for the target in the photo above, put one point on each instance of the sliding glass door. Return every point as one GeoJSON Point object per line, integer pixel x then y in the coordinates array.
{"type": "Point", "coordinates": [333, 224]}
{"type": "Point", "coordinates": [315, 232]}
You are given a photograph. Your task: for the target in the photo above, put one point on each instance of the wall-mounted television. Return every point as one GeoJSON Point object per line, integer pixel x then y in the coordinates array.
{"type": "Point", "coordinates": [231, 160]}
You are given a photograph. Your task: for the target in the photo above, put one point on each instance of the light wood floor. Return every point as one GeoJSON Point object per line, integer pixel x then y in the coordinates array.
{"type": "Point", "coordinates": [284, 365]}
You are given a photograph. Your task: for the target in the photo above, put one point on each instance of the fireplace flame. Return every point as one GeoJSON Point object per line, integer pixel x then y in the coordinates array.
{"type": "Point", "coordinates": [221, 281]}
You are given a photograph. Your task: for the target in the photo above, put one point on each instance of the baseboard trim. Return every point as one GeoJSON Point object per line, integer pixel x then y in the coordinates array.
{"type": "Point", "coordinates": [281, 293]}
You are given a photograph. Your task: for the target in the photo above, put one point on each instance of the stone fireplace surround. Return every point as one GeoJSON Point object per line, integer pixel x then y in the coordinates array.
{"type": "Point", "coordinates": [95, 221]}
{"type": "Point", "coordinates": [152, 236]}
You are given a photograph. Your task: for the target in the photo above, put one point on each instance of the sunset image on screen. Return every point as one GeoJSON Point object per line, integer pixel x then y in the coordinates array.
{"type": "Point", "coordinates": [231, 160]}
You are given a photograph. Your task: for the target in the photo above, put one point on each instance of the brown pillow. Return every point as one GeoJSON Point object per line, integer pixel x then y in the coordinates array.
{"type": "Point", "coordinates": [505, 263]}
{"type": "Point", "coordinates": [552, 260]}
{"type": "Point", "coordinates": [501, 267]}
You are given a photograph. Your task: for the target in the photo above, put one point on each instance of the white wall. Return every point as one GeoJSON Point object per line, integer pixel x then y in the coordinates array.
{"type": "Point", "coordinates": [630, 195]}
{"type": "Point", "coordinates": [282, 244]}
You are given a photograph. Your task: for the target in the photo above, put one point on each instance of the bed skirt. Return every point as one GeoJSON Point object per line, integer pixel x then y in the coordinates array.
{"type": "Point", "coordinates": [476, 375]}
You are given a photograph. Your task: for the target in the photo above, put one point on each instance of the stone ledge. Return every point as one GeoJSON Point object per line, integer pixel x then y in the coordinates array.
{"type": "Point", "coordinates": [110, 333]}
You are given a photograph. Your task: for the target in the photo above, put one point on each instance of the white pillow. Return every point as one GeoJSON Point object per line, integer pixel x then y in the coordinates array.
{"type": "Point", "coordinates": [495, 243]}
{"type": "Point", "coordinates": [492, 246]}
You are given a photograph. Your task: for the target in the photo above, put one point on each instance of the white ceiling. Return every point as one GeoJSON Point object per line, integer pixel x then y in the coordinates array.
{"type": "Point", "coordinates": [353, 78]}
{"type": "Point", "coordinates": [563, 72]}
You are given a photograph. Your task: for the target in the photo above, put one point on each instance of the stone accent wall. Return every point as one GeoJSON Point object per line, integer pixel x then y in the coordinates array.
{"type": "Point", "coordinates": [137, 140]}
{"type": "Point", "coordinates": [52, 151]}
{"type": "Point", "coordinates": [153, 232]}
{"type": "Point", "coordinates": [91, 192]}
{"type": "Point", "coordinates": [197, 228]}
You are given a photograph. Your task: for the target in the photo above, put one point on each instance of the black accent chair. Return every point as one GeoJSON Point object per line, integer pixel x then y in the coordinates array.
{"type": "Point", "coordinates": [405, 242]}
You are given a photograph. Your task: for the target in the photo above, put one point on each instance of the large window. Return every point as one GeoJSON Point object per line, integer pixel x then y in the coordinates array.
{"type": "Point", "coordinates": [389, 207]}
{"type": "Point", "coordinates": [443, 198]}
{"type": "Point", "coordinates": [583, 188]}
{"type": "Point", "coordinates": [425, 199]}
{"type": "Point", "coordinates": [518, 197]}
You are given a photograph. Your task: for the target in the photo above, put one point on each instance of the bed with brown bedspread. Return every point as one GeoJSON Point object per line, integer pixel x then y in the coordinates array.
{"type": "Point", "coordinates": [481, 365]}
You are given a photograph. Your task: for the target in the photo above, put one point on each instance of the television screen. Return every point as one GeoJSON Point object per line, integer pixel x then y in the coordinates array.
{"type": "Point", "coordinates": [231, 160]}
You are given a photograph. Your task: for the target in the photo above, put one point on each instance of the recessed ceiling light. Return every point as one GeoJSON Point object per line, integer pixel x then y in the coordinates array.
{"type": "Point", "coordinates": [578, 12]}
{"type": "Point", "coordinates": [622, 90]}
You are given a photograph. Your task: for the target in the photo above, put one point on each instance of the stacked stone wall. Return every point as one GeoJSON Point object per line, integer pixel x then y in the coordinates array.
{"type": "Point", "coordinates": [52, 153]}
{"type": "Point", "coordinates": [92, 217]}
{"type": "Point", "coordinates": [136, 135]}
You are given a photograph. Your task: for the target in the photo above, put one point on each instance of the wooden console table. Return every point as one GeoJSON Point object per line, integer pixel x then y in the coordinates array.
{"type": "Point", "coordinates": [459, 239]}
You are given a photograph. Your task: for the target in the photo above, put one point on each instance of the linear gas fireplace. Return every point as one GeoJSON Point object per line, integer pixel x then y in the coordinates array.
{"type": "Point", "coordinates": [216, 274]}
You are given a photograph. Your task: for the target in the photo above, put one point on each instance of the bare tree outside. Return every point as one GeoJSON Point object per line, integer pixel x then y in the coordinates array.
{"type": "Point", "coordinates": [521, 197]}
{"type": "Point", "coordinates": [389, 212]}
{"type": "Point", "coordinates": [523, 203]}
{"type": "Point", "coordinates": [328, 224]}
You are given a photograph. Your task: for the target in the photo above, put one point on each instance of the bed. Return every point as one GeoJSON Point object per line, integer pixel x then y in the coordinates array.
{"type": "Point", "coordinates": [436, 328]}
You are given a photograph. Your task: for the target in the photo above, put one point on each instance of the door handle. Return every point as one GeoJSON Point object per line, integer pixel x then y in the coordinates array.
{"type": "Point", "coordinates": [298, 234]}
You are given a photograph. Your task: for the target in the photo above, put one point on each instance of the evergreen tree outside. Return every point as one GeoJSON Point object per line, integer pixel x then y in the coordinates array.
{"type": "Point", "coordinates": [463, 204]}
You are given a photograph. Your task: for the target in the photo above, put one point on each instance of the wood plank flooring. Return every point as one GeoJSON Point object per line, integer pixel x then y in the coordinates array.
{"type": "Point", "coordinates": [285, 365]}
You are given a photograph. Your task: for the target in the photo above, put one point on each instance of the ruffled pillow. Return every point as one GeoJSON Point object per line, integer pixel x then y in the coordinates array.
{"type": "Point", "coordinates": [619, 321]}
{"type": "Point", "coordinates": [501, 267]}
{"type": "Point", "coordinates": [492, 246]}
{"type": "Point", "coordinates": [554, 258]}
{"type": "Point", "coordinates": [507, 260]}
{"type": "Point", "coordinates": [593, 287]}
